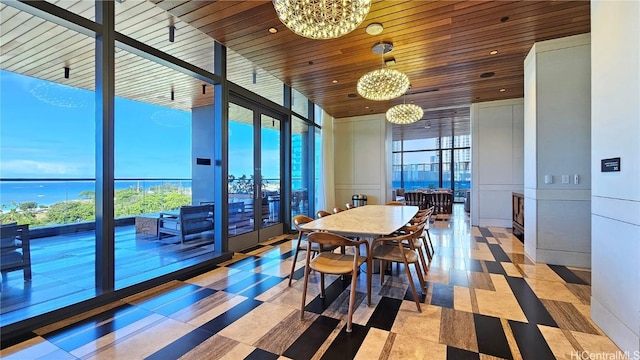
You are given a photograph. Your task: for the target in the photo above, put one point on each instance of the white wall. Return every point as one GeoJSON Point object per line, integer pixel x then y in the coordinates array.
{"type": "Point", "coordinates": [361, 155]}
{"type": "Point", "coordinates": [557, 143]}
{"type": "Point", "coordinates": [497, 160]}
{"type": "Point", "coordinates": [615, 211]}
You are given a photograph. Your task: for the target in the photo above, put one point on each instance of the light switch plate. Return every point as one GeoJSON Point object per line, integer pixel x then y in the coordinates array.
{"type": "Point", "coordinates": [576, 179]}
{"type": "Point", "coordinates": [565, 179]}
{"type": "Point", "coordinates": [548, 179]}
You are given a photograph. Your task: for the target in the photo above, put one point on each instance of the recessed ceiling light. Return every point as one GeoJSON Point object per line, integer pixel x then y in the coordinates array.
{"type": "Point", "coordinates": [335, 81]}
{"type": "Point", "coordinates": [273, 30]}
{"type": "Point", "coordinates": [503, 90]}
{"type": "Point", "coordinates": [366, 107]}
{"type": "Point", "coordinates": [493, 52]}
{"type": "Point", "coordinates": [374, 29]}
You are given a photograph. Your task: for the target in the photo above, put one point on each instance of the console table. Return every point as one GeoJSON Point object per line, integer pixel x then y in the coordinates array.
{"type": "Point", "coordinates": [518, 214]}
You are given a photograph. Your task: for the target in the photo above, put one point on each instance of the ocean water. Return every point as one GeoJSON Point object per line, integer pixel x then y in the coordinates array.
{"type": "Point", "coordinates": [51, 192]}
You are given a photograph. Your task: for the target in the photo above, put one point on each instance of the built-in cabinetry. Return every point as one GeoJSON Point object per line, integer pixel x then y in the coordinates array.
{"type": "Point", "coordinates": [518, 214]}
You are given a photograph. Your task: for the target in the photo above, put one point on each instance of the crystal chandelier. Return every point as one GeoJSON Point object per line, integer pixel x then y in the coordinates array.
{"type": "Point", "coordinates": [322, 19]}
{"type": "Point", "coordinates": [404, 114]}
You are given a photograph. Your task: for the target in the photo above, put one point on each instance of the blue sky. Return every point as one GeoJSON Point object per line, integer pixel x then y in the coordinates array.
{"type": "Point", "coordinates": [47, 130]}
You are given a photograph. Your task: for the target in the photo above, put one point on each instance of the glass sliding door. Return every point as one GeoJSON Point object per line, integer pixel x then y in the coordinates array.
{"type": "Point", "coordinates": [254, 175]}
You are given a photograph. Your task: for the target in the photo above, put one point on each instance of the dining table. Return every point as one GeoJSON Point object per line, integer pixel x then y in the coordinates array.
{"type": "Point", "coordinates": [368, 222]}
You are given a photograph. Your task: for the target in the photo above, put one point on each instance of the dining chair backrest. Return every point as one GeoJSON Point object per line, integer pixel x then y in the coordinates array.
{"type": "Point", "coordinates": [300, 220]}
{"type": "Point", "coordinates": [322, 213]}
{"type": "Point", "coordinates": [416, 198]}
{"type": "Point", "coordinates": [338, 209]}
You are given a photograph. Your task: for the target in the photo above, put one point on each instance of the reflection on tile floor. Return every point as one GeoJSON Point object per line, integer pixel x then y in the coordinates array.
{"type": "Point", "coordinates": [484, 300]}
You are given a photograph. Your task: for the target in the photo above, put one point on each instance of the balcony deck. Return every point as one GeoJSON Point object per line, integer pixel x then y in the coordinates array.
{"type": "Point", "coordinates": [63, 268]}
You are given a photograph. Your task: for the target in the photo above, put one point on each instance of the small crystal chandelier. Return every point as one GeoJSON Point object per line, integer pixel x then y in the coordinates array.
{"type": "Point", "coordinates": [322, 19]}
{"type": "Point", "coordinates": [383, 84]}
{"type": "Point", "coordinates": [404, 114]}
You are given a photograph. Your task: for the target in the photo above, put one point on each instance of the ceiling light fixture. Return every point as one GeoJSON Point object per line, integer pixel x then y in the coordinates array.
{"type": "Point", "coordinates": [503, 90]}
{"type": "Point", "coordinates": [334, 81]}
{"type": "Point", "coordinates": [383, 84]}
{"type": "Point", "coordinates": [493, 52]}
{"type": "Point", "coordinates": [322, 19]}
{"type": "Point", "coordinates": [172, 33]}
{"type": "Point", "coordinates": [374, 29]}
{"type": "Point", "coordinates": [403, 114]}
{"type": "Point", "coordinates": [273, 30]}
{"type": "Point", "coordinates": [66, 72]}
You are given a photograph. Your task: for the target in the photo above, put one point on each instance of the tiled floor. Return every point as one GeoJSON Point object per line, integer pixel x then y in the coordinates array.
{"type": "Point", "coordinates": [485, 301]}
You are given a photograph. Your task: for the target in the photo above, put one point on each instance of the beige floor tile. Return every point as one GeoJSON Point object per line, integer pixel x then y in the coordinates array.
{"type": "Point", "coordinates": [457, 329]}
{"type": "Point", "coordinates": [462, 299]}
{"type": "Point", "coordinates": [510, 269]}
{"type": "Point", "coordinates": [559, 344]}
{"type": "Point", "coordinates": [212, 348]}
{"type": "Point", "coordinates": [423, 326]}
{"type": "Point", "coordinates": [492, 240]}
{"type": "Point", "coordinates": [552, 290]}
{"type": "Point", "coordinates": [372, 345]}
{"type": "Point", "coordinates": [407, 347]}
{"type": "Point", "coordinates": [217, 310]}
{"type": "Point", "coordinates": [499, 304]}
{"type": "Point", "coordinates": [138, 347]}
{"type": "Point", "coordinates": [113, 338]}
{"type": "Point", "coordinates": [483, 253]}
{"type": "Point", "coordinates": [541, 272]}
{"type": "Point", "coordinates": [475, 231]}
{"type": "Point", "coordinates": [240, 351]}
{"type": "Point", "coordinates": [597, 345]}
{"type": "Point", "coordinates": [245, 330]}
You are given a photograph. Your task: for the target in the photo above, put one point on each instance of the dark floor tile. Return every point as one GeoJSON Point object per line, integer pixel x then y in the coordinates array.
{"type": "Point", "coordinates": [10, 341]}
{"type": "Point", "coordinates": [480, 239]}
{"type": "Point", "coordinates": [474, 265]}
{"type": "Point", "coordinates": [311, 340]}
{"type": "Point", "coordinates": [530, 341]}
{"type": "Point", "coordinates": [259, 354]}
{"type": "Point", "coordinates": [318, 305]}
{"type": "Point", "coordinates": [280, 242]}
{"type": "Point", "coordinates": [495, 267]}
{"type": "Point", "coordinates": [385, 313]}
{"type": "Point", "coordinates": [485, 232]}
{"type": "Point", "coordinates": [182, 345]}
{"type": "Point", "coordinates": [531, 305]}
{"type": "Point", "coordinates": [567, 275]}
{"type": "Point", "coordinates": [167, 297]}
{"type": "Point", "coordinates": [491, 337]}
{"type": "Point", "coordinates": [225, 319]}
{"type": "Point", "coordinates": [442, 295]}
{"type": "Point", "coordinates": [346, 345]}
{"type": "Point", "coordinates": [73, 341]}
{"type": "Point", "coordinates": [298, 274]}
{"type": "Point", "coordinates": [460, 354]}
{"type": "Point", "coordinates": [243, 262]}
{"type": "Point", "coordinates": [245, 283]}
{"type": "Point", "coordinates": [498, 253]}
{"type": "Point", "coordinates": [458, 277]}
{"type": "Point", "coordinates": [88, 323]}
{"type": "Point", "coordinates": [184, 302]}
{"type": "Point", "coordinates": [262, 286]}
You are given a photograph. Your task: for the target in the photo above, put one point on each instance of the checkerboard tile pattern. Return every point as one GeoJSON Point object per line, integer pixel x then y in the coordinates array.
{"type": "Point", "coordinates": [484, 300]}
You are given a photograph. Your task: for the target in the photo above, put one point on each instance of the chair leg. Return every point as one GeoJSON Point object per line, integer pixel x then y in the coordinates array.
{"type": "Point", "coordinates": [369, 277]}
{"type": "Point", "coordinates": [433, 251]}
{"type": "Point", "coordinates": [307, 269]}
{"type": "Point", "coordinates": [322, 294]}
{"type": "Point", "coordinates": [295, 259]}
{"type": "Point", "coordinates": [424, 268]}
{"type": "Point", "coordinates": [352, 298]}
{"type": "Point", "coordinates": [382, 265]}
{"type": "Point", "coordinates": [413, 286]}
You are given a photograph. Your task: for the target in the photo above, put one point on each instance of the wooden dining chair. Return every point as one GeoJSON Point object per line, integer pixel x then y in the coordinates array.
{"type": "Point", "coordinates": [349, 206]}
{"type": "Point", "coordinates": [398, 249]}
{"type": "Point", "coordinates": [337, 264]}
{"type": "Point", "coordinates": [322, 213]}
{"type": "Point", "coordinates": [338, 209]}
{"type": "Point", "coordinates": [395, 203]}
{"type": "Point", "coordinates": [301, 243]}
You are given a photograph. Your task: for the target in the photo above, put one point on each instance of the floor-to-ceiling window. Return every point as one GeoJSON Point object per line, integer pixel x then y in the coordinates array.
{"type": "Point", "coordinates": [60, 142]}
{"type": "Point", "coordinates": [434, 153]}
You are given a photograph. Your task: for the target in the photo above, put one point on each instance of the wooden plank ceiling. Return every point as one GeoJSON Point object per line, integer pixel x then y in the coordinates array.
{"type": "Point", "coordinates": [443, 46]}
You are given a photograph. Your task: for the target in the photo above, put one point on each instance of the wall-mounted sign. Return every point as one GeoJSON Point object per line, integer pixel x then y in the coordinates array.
{"type": "Point", "coordinates": [609, 165]}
